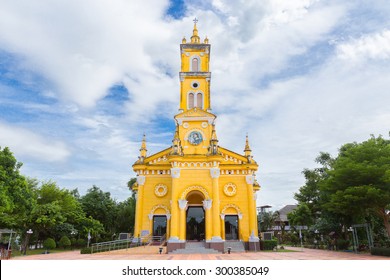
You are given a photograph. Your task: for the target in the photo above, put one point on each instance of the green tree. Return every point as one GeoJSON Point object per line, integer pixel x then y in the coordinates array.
{"type": "Point", "coordinates": [100, 206]}
{"type": "Point", "coordinates": [16, 193]}
{"type": "Point", "coordinates": [267, 220]}
{"type": "Point", "coordinates": [358, 183]}
{"type": "Point", "coordinates": [64, 242]}
{"type": "Point", "coordinates": [49, 244]}
{"type": "Point", "coordinates": [125, 215]}
{"type": "Point", "coordinates": [131, 182]}
{"type": "Point", "coordinates": [301, 216]}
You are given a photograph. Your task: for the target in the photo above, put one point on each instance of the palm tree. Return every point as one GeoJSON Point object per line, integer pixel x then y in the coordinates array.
{"type": "Point", "coordinates": [267, 221]}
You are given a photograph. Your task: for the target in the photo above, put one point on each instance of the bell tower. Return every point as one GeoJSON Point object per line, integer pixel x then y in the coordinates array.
{"type": "Point", "coordinates": [196, 190]}
{"type": "Point", "coordinates": [194, 73]}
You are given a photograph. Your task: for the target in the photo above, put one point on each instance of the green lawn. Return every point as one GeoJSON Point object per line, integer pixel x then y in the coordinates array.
{"type": "Point", "coordinates": [279, 250]}
{"type": "Point", "coordinates": [39, 251]}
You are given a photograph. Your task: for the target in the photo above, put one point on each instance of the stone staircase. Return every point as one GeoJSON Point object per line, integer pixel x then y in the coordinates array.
{"type": "Point", "coordinates": [236, 245]}
{"type": "Point", "coordinates": [195, 248]}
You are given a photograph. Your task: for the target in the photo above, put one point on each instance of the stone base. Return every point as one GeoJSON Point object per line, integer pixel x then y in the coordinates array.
{"type": "Point", "coordinates": [253, 246]}
{"type": "Point", "coordinates": [171, 246]}
{"type": "Point", "coordinates": [219, 246]}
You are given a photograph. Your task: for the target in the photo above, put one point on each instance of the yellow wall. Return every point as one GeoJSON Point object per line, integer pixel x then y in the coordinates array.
{"type": "Point", "coordinates": [197, 167]}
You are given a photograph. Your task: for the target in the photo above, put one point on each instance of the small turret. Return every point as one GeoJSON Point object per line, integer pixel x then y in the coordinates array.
{"type": "Point", "coordinates": [143, 150]}
{"type": "Point", "coordinates": [176, 144]}
{"type": "Point", "coordinates": [247, 150]}
{"type": "Point", "coordinates": [213, 142]}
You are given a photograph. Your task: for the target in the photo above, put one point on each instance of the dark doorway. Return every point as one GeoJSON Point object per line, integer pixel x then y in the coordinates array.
{"type": "Point", "coordinates": [195, 223]}
{"type": "Point", "coordinates": [231, 227]}
{"type": "Point", "coordinates": [159, 225]}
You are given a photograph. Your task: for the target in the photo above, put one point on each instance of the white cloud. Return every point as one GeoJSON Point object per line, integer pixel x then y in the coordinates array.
{"type": "Point", "coordinates": [30, 144]}
{"type": "Point", "coordinates": [369, 46]}
{"type": "Point", "coordinates": [83, 48]}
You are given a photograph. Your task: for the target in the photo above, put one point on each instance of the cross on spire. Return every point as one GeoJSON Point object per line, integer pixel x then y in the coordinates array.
{"type": "Point", "coordinates": [195, 20]}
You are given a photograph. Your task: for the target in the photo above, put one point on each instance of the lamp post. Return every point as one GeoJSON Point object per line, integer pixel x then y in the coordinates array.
{"type": "Point", "coordinates": [72, 234]}
{"type": "Point", "coordinates": [89, 238]}
{"type": "Point", "coordinates": [350, 229]}
{"type": "Point", "coordinates": [29, 232]}
{"type": "Point", "coordinates": [315, 238]}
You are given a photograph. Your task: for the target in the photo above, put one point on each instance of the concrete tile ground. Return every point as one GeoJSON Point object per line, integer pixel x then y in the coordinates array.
{"type": "Point", "coordinates": [151, 253]}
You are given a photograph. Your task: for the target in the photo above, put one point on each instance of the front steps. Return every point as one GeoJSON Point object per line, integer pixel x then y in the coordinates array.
{"type": "Point", "coordinates": [195, 248]}
{"type": "Point", "coordinates": [236, 245]}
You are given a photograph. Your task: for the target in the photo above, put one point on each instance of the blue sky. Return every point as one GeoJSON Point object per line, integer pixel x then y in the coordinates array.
{"type": "Point", "coordinates": [81, 81]}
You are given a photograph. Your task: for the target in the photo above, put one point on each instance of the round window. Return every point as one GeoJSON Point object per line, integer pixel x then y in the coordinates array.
{"type": "Point", "coordinates": [195, 85]}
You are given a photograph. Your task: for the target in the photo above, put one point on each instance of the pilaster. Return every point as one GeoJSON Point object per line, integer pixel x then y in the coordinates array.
{"type": "Point", "coordinates": [182, 223]}
{"type": "Point", "coordinates": [215, 172]}
{"type": "Point", "coordinates": [174, 237]}
{"type": "Point", "coordinates": [207, 204]}
{"type": "Point", "coordinates": [252, 210]}
{"type": "Point", "coordinates": [139, 205]}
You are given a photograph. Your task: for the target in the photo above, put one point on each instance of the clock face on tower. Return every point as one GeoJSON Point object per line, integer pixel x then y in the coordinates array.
{"type": "Point", "coordinates": [195, 138]}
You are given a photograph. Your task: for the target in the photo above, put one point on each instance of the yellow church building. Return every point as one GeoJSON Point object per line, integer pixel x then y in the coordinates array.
{"type": "Point", "coordinates": [196, 190]}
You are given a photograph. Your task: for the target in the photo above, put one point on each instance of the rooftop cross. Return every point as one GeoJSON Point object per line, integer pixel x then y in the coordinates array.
{"type": "Point", "coordinates": [195, 20]}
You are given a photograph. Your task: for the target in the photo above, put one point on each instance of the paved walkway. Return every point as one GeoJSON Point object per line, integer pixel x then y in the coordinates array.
{"type": "Point", "coordinates": [151, 253]}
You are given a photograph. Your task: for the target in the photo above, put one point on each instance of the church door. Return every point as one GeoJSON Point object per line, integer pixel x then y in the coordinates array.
{"type": "Point", "coordinates": [231, 227]}
{"type": "Point", "coordinates": [195, 223]}
{"type": "Point", "coordinates": [159, 225]}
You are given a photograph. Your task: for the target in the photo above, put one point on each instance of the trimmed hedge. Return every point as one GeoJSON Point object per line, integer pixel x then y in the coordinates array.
{"type": "Point", "coordinates": [380, 251]}
{"type": "Point", "coordinates": [86, 250]}
{"type": "Point", "coordinates": [64, 242]}
{"type": "Point", "coordinates": [49, 244]}
{"type": "Point", "coordinates": [268, 244]}
{"type": "Point", "coordinates": [342, 244]}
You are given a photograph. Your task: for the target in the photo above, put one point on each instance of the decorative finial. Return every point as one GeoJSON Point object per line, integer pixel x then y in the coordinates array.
{"type": "Point", "coordinates": [195, 38]}
{"type": "Point", "coordinates": [247, 150]}
{"type": "Point", "coordinates": [206, 40]}
{"type": "Point", "coordinates": [184, 40]}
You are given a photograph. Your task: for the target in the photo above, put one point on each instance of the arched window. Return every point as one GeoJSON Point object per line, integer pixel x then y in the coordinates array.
{"type": "Point", "coordinates": [195, 64]}
{"type": "Point", "coordinates": [199, 100]}
{"type": "Point", "coordinates": [190, 101]}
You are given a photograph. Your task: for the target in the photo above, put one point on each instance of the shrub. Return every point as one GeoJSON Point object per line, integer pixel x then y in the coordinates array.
{"type": "Point", "coordinates": [64, 242]}
{"type": "Point", "coordinates": [73, 242]}
{"type": "Point", "coordinates": [342, 244]}
{"type": "Point", "coordinates": [49, 244]}
{"type": "Point", "coordinates": [380, 251]}
{"type": "Point", "coordinates": [86, 250]}
{"type": "Point", "coordinates": [268, 244]}
{"type": "Point", "coordinates": [81, 242]}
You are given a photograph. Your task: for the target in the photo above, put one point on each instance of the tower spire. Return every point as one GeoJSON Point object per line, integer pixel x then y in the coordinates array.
{"type": "Point", "coordinates": [195, 37]}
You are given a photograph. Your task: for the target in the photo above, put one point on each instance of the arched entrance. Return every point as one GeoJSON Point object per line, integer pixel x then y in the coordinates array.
{"type": "Point", "coordinates": [195, 217]}
{"type": "Point", "coordinates": [231, 216]}
{"type": "Point", "coordinates": [231, 227]}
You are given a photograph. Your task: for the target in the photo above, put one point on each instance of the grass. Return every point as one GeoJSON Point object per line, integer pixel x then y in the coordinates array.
{"type": "Point", "coordinates": [279, 250]}
{"type": "Point", "coordinates": [40, 251]}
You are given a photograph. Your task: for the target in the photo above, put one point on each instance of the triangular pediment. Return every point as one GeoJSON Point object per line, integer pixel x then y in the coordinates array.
{"type": "Point", "coordinates": [195, 113]}
{"type": "Point", "coordinates": [157, 158]}
{"type": "Point", "coordinates": [231, 157]}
